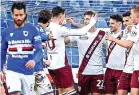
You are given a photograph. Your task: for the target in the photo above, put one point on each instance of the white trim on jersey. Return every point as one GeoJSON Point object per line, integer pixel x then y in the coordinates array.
{"type": "Point", "coordinates": [19, 45]}
{"type": "Point", "coordinates": [22, 52]}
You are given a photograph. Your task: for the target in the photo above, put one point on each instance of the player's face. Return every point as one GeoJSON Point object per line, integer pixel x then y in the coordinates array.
{"type": "Point", "coordinates": [61, 18]}
{"type": "Point", "coordinates": [127, 21]}
{"type": "Point", "coordinates": [19, 16]}
{"type": "Point", "coordinates": [87, 19]}
{"type": "Point", "coordinates": [134, 16]}
{"type": "Point", "coordinates": [114, 25]}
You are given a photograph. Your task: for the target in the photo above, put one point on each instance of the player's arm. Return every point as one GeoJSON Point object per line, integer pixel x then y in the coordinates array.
{"type": "Point", "coordinates": [126, 43]}
{"type": "Point", "coordinates": [105, 45]}
{"type": "Point", "coordinates": [123, 43]}
{"type": "Point", "coordinates": [4, 46]}
{"type": "Point", "coordinates": [71, 20]}
{"type": "Point", "coordinates": [38, 50]}
{"type": "Point", "coordinates": [76, 32]}
{"type": "Point", "coordinates": [67, 40]}
{"type": "Point", "coordinates": [44, 36]}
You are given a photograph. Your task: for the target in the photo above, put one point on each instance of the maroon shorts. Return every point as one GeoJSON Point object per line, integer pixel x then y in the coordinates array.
{"type": "Point", "coordinates": [62, 77]}
{"type": "Point", "coordinates": [111, 80]}
{"type": "Point", "coordinates": [135, 79]}
{"type": "Point", "coordinates": [90, 84]}
{"type": "Point", "coordinates": [125, 80]}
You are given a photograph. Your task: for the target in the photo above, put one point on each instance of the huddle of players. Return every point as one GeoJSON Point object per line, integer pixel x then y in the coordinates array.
{"type": "Point", "coordinates": [120, 61]}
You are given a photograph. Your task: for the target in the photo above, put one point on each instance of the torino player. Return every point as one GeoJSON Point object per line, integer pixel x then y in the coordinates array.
{"type": "Point", "coordinates": [42, 83]}
{"type": "Point", "coordinates": [20, 40]}
{"type": "Point", "coordinates": [59, 68]}
{"type": "Point", "coordinates": [90, 74]}
{"type": "Point", "coordinates": [115, 59]}
{"type": "Point", "coordinates": [132, 41]}
{"type": "Point", "coordinates": [125, 79]}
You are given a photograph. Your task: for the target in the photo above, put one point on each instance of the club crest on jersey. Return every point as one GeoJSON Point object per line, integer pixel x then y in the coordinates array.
{"type": "Point", "coordinates": [11, 34]}
{"type": "Point", "coordinates": [133, 33]}
{"type": "Point", "coordinates": [25, 33]}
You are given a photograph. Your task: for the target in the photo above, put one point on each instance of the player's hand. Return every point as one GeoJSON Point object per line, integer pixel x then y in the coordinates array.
{"type": "Point", "coordinates": [1, 77]}
{"type": "Point", "coordinates": [109, 37]}
{"type": "Point", "coordinates": [95, 16]}
{"type": "Point", "coordinates": [2, 90]}
{"type": "Point", "coordinates": [47, 62]}
{"type": "Point", "coordinates": [51, 36]}
{"type": "Point", "coordinates": [30, 64]}
{"type": "Point", "coordinates": [70, 20]}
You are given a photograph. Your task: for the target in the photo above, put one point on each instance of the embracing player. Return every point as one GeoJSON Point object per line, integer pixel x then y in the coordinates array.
{"type": "Point", "coordinates": [59, 68]}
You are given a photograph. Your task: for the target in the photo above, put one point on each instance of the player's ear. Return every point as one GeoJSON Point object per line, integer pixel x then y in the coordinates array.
{"type": "Point", "coordinates": [138, 15]}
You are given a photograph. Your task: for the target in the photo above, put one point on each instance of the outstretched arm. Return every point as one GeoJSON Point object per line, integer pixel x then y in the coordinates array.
{"type": "Point", "coordinates": [81, 31]}
{"type": "Point", "coordinates": [71, 20]}
{"type": "Point", "coordinates": [123, 43]}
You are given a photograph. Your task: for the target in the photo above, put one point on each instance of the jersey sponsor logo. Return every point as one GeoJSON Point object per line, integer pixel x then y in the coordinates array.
{"type": "Point", "coordinates": [83, 37]}
{"type": "Point", "coordinates": [37, 38]}
{"type": "Point", "coordinates": [19, 56]}
{"type": "Point", "coordinates": [133, 33]}
{"type": "Point", "coordinates": [27, 41]}
{"type": "Point", "coordinates": [91, 49]}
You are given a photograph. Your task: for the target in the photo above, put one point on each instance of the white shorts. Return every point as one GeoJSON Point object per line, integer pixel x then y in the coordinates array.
{"type": "Point", "coordinates": [17, 82]}
{"type": "Point", "coordinates": [42, 83]}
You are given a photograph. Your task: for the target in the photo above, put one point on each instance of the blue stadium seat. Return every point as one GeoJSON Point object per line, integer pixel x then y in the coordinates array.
{"type": "Point", "coordinates": [4, 23]}
{"type": "Point", "coordinates": [30, 18]}
{"type": "Point", "coordinates": [9, 15]}
{"type": "Point", "coordinates": [3, 15]}
{"type": "Point", "coordinates": [75, 60]}
{"type": "Point", "coordinates": [10, 22]}
{"type": "Point", "coordinates": [101, 23]}
{"type": "Point", "coordinates": [68, 51]}
{"type": "Point", "coordinates": [75, 51]}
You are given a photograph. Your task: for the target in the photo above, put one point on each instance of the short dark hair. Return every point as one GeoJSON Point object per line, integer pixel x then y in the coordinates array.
{"type": "Point", "coordinates": [18, 5]}
{"type": "Point", "coordinates": [44, 16]}
{"type": "Point", "coordinates": [136, 8]}
{"type": "Point", "coordinates": [56, 11]}
{"type": "Point", "coordinates": [26, 16]}
{"type": "Point", "coordinates": [117, 17]}
{"type": "Point", "coordinates": [89, 13]}
{"type": "Point", "coordinates": [126, 14]}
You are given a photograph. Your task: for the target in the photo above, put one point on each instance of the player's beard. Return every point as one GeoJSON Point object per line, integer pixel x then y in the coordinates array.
{"type": "Point", "coordinates": [19, 23]}
{"type": "Point", "coordinates": [112, 29]}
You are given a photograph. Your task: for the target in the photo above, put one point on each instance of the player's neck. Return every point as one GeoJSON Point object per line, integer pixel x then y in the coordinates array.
{"type": "Point", "coordinates": [118, 30]}
{"type": "Point", "coordinates": [43, 25]}
{"type": "Point", "coordinates": [16, 26]}
{"type": "Point", "coordinates": [137, 21]}
{"type": "Point", "coordinates": [55, 20]}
